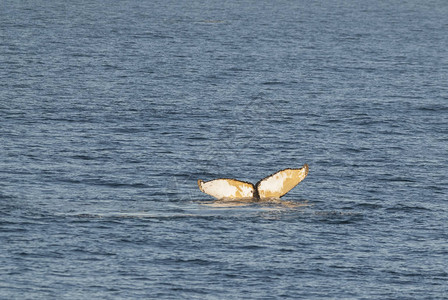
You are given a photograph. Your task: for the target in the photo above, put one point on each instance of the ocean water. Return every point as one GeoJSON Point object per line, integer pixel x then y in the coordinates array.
{"type": "Point", "coordinates": [110, 111]}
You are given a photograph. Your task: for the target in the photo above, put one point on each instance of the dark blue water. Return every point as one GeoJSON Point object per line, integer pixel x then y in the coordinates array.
{"type": "Point", "coordinates": [110, 111]}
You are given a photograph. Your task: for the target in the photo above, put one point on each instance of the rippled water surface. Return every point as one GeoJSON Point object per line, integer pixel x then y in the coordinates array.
{"type": "Point", "coordinates": [110, 111]}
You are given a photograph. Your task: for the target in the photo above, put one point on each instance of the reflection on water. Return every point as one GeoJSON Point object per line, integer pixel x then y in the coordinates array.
{"type": "Point", "coordinates": [266, 204]}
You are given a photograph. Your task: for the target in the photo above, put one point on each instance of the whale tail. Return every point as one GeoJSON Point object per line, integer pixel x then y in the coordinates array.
{"type": "Point", "coordinates": [281, 182]}
{"type": "Point", "coordinates": [272, 186]}
{"type": "Point", "coordinates": [227, 189]}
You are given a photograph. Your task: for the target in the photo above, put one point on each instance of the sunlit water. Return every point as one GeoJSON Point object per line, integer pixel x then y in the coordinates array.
{"type": "Point", "coordinates": [110, 111]}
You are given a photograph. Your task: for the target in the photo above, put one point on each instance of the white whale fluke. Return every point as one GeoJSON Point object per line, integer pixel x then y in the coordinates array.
{"type": "Point", "coordinates": [272, 186]}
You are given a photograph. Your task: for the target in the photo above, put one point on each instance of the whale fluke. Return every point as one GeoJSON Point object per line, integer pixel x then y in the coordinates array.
{"type": "Point", "coordinates": [227, 189]}
{"type": "Point", "coordinates": [272, 186]}
{"type": "Point", "coordinates": [278, 184]}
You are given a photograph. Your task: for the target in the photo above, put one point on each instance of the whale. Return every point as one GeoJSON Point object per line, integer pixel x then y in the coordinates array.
{"type": "Point", "coordinates": [273, 186]}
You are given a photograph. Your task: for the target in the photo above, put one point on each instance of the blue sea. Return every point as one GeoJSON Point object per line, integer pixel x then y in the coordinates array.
{"type": "Point", "coordinates": [110, 111]}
